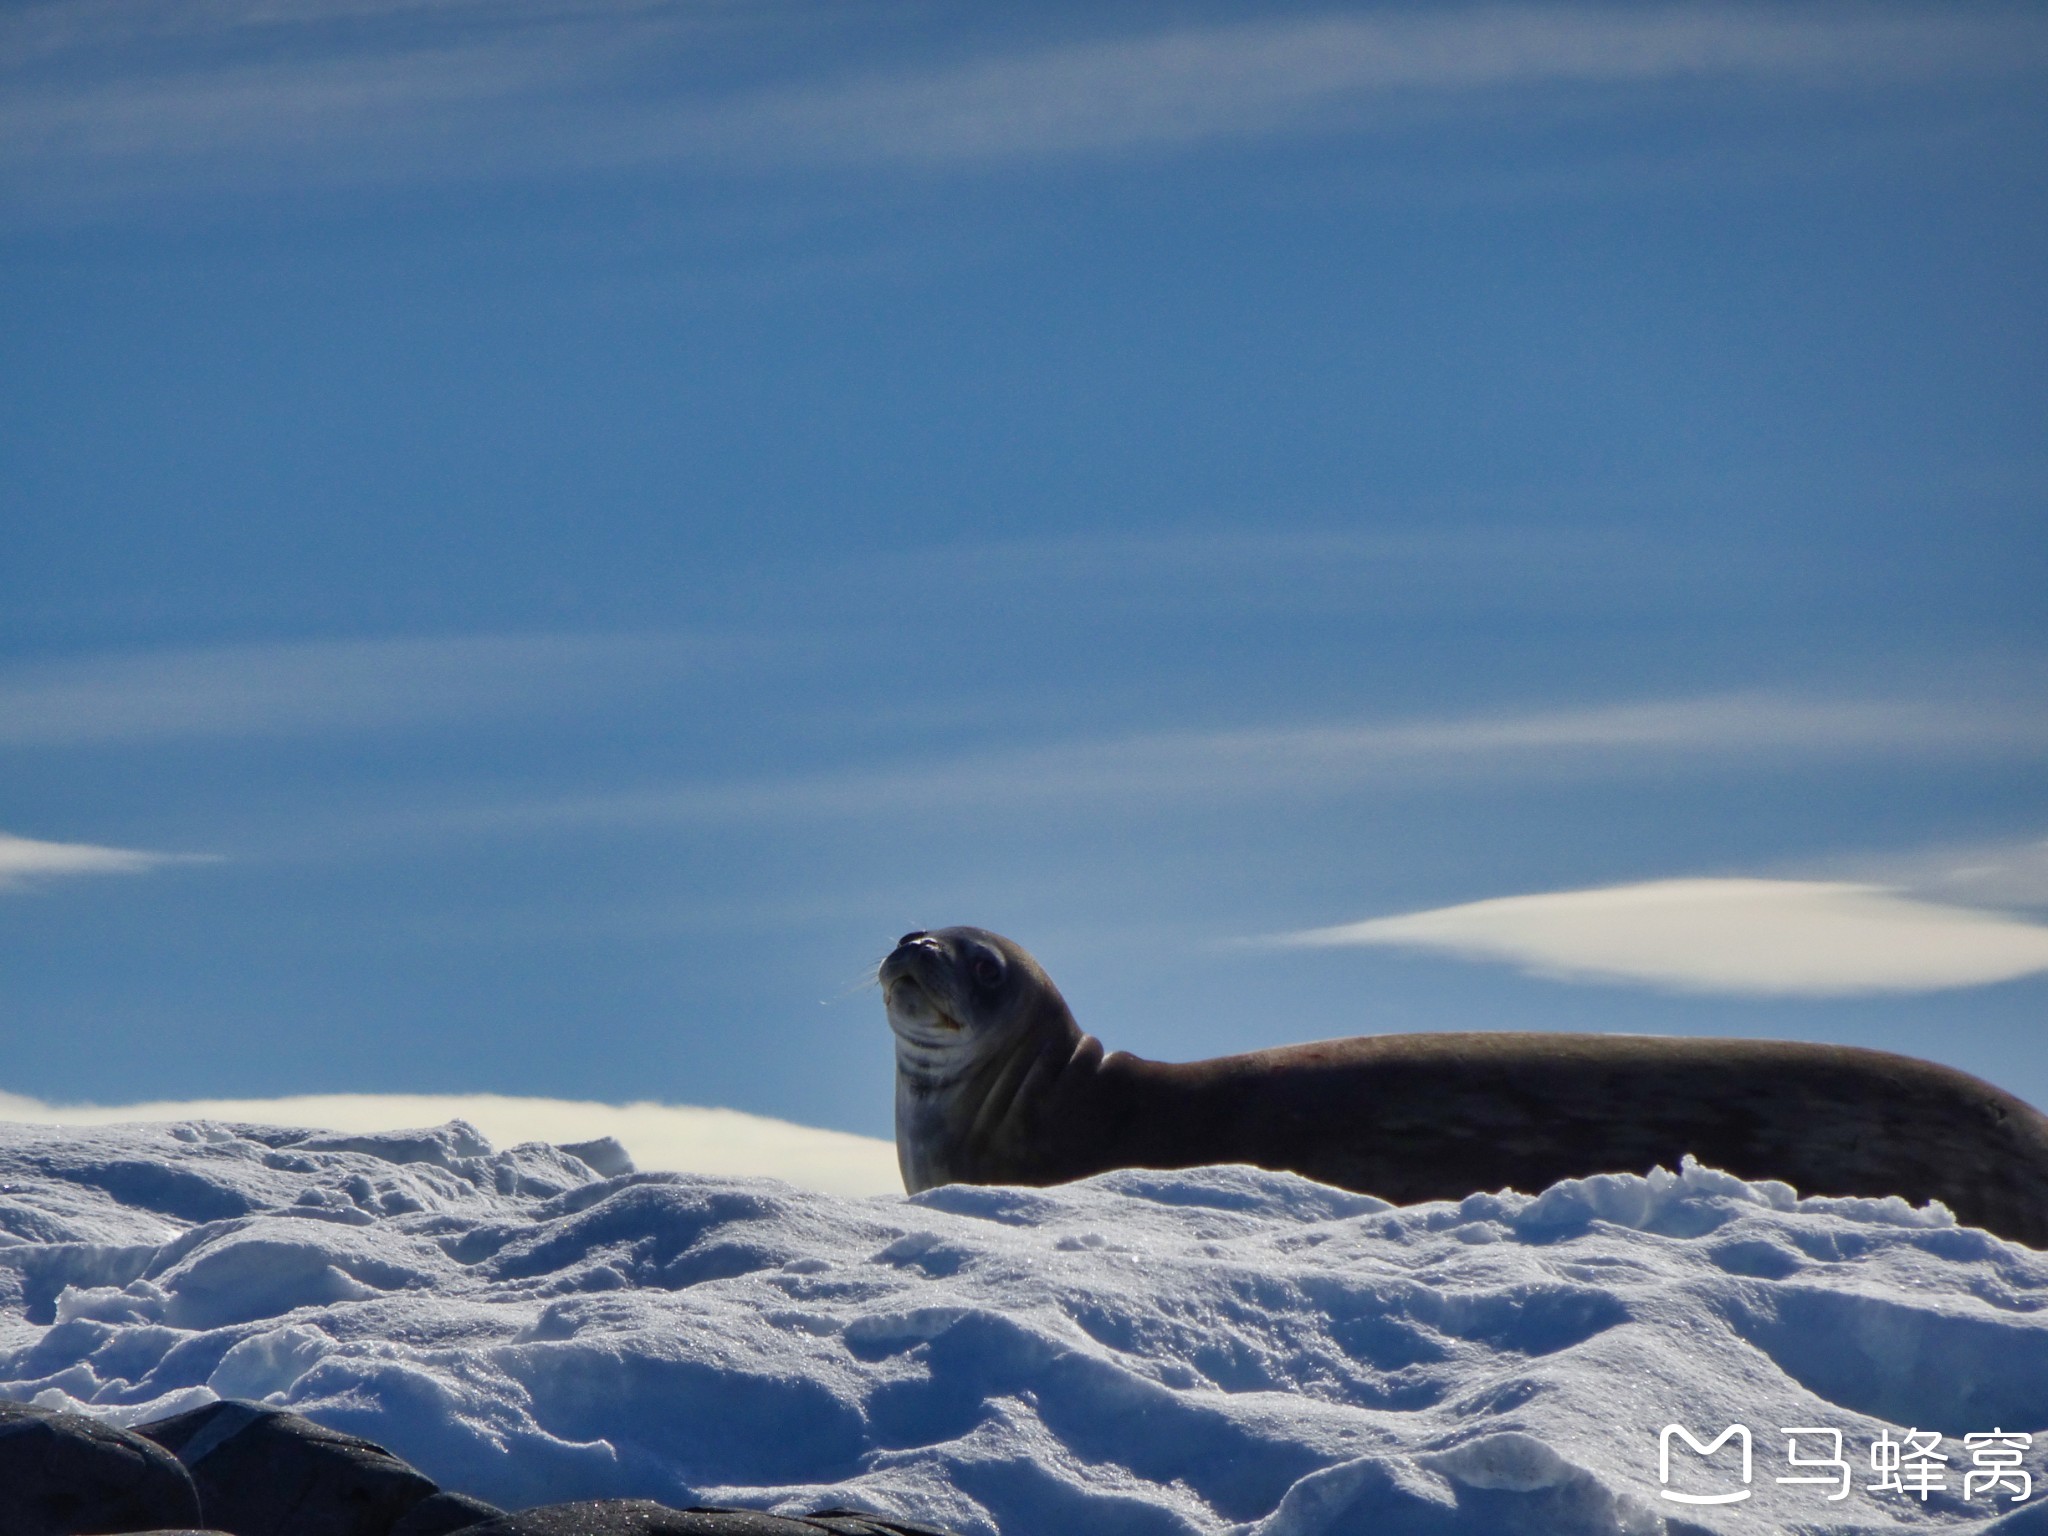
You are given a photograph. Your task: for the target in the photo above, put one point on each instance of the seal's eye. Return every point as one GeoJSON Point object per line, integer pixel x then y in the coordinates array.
{"type": "Point", "coordinates": [988, 971]}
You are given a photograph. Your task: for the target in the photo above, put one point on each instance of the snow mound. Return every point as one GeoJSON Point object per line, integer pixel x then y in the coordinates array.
{"type": "Point", "coordinates": [1220, 1350]}
{"type": "Point", "coordinates": [682, 1138]}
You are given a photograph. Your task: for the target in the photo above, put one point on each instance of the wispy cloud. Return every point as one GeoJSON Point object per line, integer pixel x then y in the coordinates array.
{"type": "Point", "coordinates": [287, 689]}
{"type": "Point", "coordinates": [1195, 85]}
{"type": "Point", "coordinates": [26, 860]}
{"type": "Point", "coordinates": [1702, 733]}
{"type": "Point", "coordinates": [1758, 937]}
{"type": "Point", "coordinates": [677, 1137]}
{"type": "Point", "coordinates": [2012, 873]}
{"type": "Point", "coordinates": [106, 96]}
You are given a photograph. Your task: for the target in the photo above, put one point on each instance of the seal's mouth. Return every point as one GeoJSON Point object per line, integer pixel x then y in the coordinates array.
{"type": "Point", "coordinates": [910, 1002]}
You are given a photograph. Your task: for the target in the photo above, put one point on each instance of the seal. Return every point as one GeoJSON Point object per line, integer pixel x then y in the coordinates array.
{"type": "Point", "coordinates": [997, 1084]}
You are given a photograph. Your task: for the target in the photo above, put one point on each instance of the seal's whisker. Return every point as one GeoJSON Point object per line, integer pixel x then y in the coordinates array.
{"type": "Point", "coordinates": [860, 983]}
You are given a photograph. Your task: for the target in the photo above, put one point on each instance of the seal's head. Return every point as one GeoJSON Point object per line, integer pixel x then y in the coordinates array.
{"type": "Point", "coordinates": [970, 1010]}
{"type": "Point", "coordinates": [955, 995]}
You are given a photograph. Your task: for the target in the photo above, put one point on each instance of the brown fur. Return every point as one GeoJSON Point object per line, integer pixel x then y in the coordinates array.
{"type": "Point", "coordinates": [1439, 1116]}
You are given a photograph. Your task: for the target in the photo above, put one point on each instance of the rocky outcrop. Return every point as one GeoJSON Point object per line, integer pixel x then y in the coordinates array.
{"type": "Point", "coordinates": [243, 1469]}
{"type": "Point", "coordinates": [66, 1474]}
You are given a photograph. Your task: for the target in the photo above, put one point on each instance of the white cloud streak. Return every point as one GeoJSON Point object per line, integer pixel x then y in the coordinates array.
{"type": "Point", "coordinates": [2004, 874]}
{"type": "Point", "coordinates": [253, 96]}
{"type": "Point", "coordinates": [1699, 733]}
{"type": "Point", "coordinates": [674, 1137]}
{"type": "Point", "coordinates": [26, 860]}
{"type": "Point", "coordinates": [1307, 74]}
{"type": "Point", "coordinates": [290, 689]}
{"type": "Point", "coordinates": [1791, 938]}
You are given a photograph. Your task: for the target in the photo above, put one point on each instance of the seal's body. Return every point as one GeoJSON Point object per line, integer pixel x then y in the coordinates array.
{"type": "Point", "coordinates": [996, 1084]}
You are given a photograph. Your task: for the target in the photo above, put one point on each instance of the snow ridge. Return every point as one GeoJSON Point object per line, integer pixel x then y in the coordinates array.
{"type": "Point", "coordinates": [1219, 1350]}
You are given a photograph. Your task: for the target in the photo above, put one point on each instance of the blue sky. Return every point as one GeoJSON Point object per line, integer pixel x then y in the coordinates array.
{"type": "Point", "coordinates": [542, 536]}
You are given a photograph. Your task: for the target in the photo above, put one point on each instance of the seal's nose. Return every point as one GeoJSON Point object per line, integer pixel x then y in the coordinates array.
{"type": "Point", "coordinates": [911, 938]}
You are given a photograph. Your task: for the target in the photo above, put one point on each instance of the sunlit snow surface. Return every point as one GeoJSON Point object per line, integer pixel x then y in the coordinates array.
{"type": "Point", "coordinates": [1217, 1350]}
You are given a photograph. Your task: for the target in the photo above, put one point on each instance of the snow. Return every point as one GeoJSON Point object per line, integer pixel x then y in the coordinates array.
{"type": "Point", "coordinates": [682, 1138]}
{"type": "Point", "coordinates": [1217, 1350]}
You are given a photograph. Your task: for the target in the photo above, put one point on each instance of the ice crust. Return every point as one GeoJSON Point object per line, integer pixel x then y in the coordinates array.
{"type": "Point", "coordinates": [1221, 1350]}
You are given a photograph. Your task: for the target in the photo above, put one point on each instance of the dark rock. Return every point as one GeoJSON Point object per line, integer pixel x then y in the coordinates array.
{"type": "Point", "coordinates": [439, 1513]}
{"type": "Point", "coordinates": [859, 1522]}
{"type": "Point", "coordinates": [263, 1472]}
{"type": "Point", "coordinates": [65, 1474]}
{"type": "Point", "coordinates": [639, 1517]}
